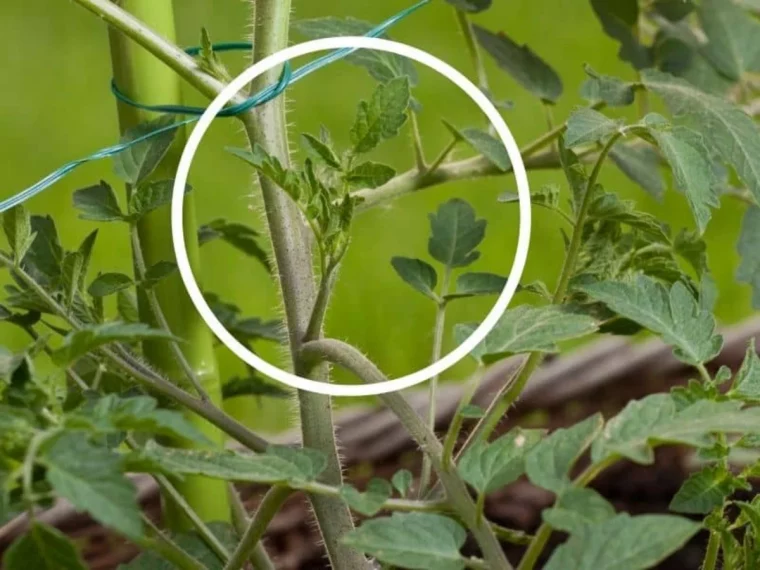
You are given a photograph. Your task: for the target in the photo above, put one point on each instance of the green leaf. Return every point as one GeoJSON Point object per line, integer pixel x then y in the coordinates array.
{"type": "Point", "coordinates": [402, 481]}
{"type": "Point", "coordinates": [610, 90]}
{"type": "Point", "coordinates": [746, 384]}
{"type": "Point", "coordinates": [548, 464]}
{"type": "Point", "coordinates": [578, 509]}
{"type": "Point", "coordinates": [381, 65]}
{"type": "Point", "coordinates": [640, 163]}
{"type": "Point", "coordinates": [491, 466]}
{"type": "Point", "coordinates": [527, 329]}
{"type": "Point", "coordinates": [91, 478]}
{"type": "Point", "coordinates": [98, 203]}
{"type": "Point", "coordinates": [71, 275]}
{"type": "Point", "coordinates": [18, 229]}
{"type": "Point", "coordinates": [673, 10]}
{"type": "Point", "coordinates": [693, 249]}
{"type": "Point", "coordinates": [317, 148]}
{"type": "Point", "coordinates": [642, 424]}
{"type": "Point", "coordinates": [588, 126]}
{"type": "Point", "coordinates": [620, 21]}
{"type": "Point", "coordinates": [692, 169]}
{"type": "Point", "coordinates": [270, 167]}
{"type": "Point", "coordinates": [733, 38]}
{"type": "Point", "coordinates": [477, 284]}
{"type": "Point", "coordinates": [675, 314]}
{"type": "Point", "coordinates": [705, 490]}
{"type": "Point", "coordinates": [749, 267]}
{"type": "Point", "coordinates": [151, 196]}
{"type": "Point", "coordinates": [546, 196]}
{"type": "Point", "coordinates": [370, 175]}
{"type": "Point", "coordinates": [455, 233]}
{"type": "Point", "coordinates": [239, 236]}
{"type": "Point", "coordinates": [729, 132]}
{"type": "Point", "coordinates": [471, 6]}
{"type": "Point", "coordinates": [277, 465]}
{"type": "Point", "coordinates": [574, 172]}
{"type": "Point", "coordinates": [252, 386]}
{"type": "Point", "coordinates": [420, 275]}
{"type": "Point", "coordinates": [608, 207]}
{"type": "Point", "coordinates": [91, 337]}
{"type": "Point", "coordinates": [486, 144]}
{"type": "Point", "coordinates": [520, 62]}
{"type": "Point", "coordinates": [371, 501]}
{"type": "Point", "coordinates": [419, 541]}
{"type": "Point", "coordinates": [157, 272]}
{"type": "Point", "coordinates": [382, 117]}
{"type": "Point", "coordinates": [126, 305]}
{"type": "Point", "coordinates": [43, 548]}
{"type": "Point", "coordinates": [139, 161]}
{"type": "Point", "coordinates": [471, 411]}
{"type": "Point", "coordinates": [624, 543]}
{"type": "Point", "coordinates": [109, 283]}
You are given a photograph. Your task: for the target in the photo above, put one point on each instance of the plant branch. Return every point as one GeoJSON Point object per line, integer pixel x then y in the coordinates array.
{"type": "Point", "coordinates": [419, 153]}
{"type": "Point", "coordinates": [269, 506]}
{"type": "Point", "coordinates": [167, 548]}
{"type": "Point", "coordinates": [259, 557]}
{"type": "Point", "coordinates": [457, 494]}
{"type": "Point", "coordinates": [472, 48]}
{"type": "Point", "coordinates": [711, 555]}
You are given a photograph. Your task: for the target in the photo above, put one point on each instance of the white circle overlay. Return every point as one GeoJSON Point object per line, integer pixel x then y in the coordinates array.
{"type": "Point", "coordinates": [280, 58]}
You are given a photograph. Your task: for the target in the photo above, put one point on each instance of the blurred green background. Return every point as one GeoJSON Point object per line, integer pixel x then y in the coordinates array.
{"type": "Point", "coordinates": [55, 105]}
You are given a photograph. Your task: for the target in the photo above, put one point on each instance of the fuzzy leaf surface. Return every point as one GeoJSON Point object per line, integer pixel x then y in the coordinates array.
{"type": "Point", "coordinates": [749, 266]}
{"type": "Point", "coordinates": [382, 117]}
{"type": "Point", "coordinates": [455, 232]}
{"type": "Point", "coordinates": [704, 491]}
{"type": "Point", "coordinates": [417, 273]}
{"type": "Point", "coordinates": [588, 126]}
{"type": "Point", "coordinates": [139, 161]}
{"type": "Point", "coordinates": [371, 500]}
{"type": "Point", "coordinates": [98, 203]}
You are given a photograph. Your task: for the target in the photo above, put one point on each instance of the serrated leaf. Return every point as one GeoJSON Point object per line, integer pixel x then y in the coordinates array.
{"type": "Point", "coordinates": [417, 273]}
{"type": "Point", "coordinates": [546, 196]}
{"type": "Point", "coordinates": [109, 283]}
{"type": "Point", "coordinates": [483, 142]}
{"type": "Point", "coordinates": [43, 548]}
{"type": "Point", "coordinates": [476, 284]}
{"type": "Point", "coordinates": [642, 424]}
{"type": "Point", "coordinates": [624, 543]}
{"type": "Point", "coordinates": [151, 196]}
{"type": "Point", "coordinates": [527, 329]}
{"type": "Point", "coordinates": [370, 174]}
{"type": "Point", "coordinates": [90, 477]}
{"type": "Point", "coordinates": [490, 466]}
{"type": "Point", "coordinates": [749, 266]}
{"type": "Point", "coordinates": [18, 229]}
{"type": "Point", "coordinates": [705, 490]}
{"type": "Point", "coordinates": [320, 150]}
{"type": "Point", "coordinates": [578, 509]}
{"type": "Point", "coordinates": [402, 481]}
{"type": "Point", "coordinates": [726, 129]}
{"type": "Point", "coordinates": [139, 161]}
{"type": "Point", "coordinates": [522, 63]}
{"type": "Point", "coordinates": [382, 117]}
{"type": "Point", "coordinates": [586, 126]}
{"type": "Point", "coordinates": [548, 464]}
{"type": "Point", "coordinates": [71, 276]}
{"type": "Point", "coordinates": [276, 465]}
{"type": "Point", "coordinates": [620, 20]}
{"type": "Point", "coordinates": [381, 65]}
{"type": "Point", "coordinates": [641, 164]}
{"type": "Point", "coordinates": [419, 541]}
{"type": "Point", "coordinates": [471, 6]}
{"type": "Point", "coordinates": [692, 170]}
{"type": "Point", "coordinates": [91, 337]}
{"type": "Point", "coordinates": [610, 90]}
{"type": "Point", "coordinates": [455, 233]}
{"type": "Point", "coordinates": [270, 167]}
{"type": "Point", "coordinates": [371, 501]}
{"type": "Point", "coordinates": [673, 314]}
{"type": "Point", "coordinates": [746, 384]}
{"type": "Point", "coordinates": [98, 203]}
{"type": "Point", "coordinates": [733, 38]}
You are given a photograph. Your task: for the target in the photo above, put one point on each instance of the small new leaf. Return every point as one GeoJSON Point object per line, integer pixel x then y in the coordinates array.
{"type": "Point", "coordinates": [371, 501]}
{"type": "Point", "coordinates": [525, 67]}
{"type": "Point", "coordinates": [402, 481]}
{"type": "Point", "coordinates": [421, 541]}
{"type": "Point", "coordinates": [382, 117]}
{"type": "Point", "coordinates": [139, 161]}
{"type": "Point", "coordinates": [148, 197]}
{"type": "Point", "coordinates": [320, 150]}
{"type": "Point", "coordinates": [420, 275]}
{"type": "Point", "coordinates": [746, 384]}
{"type": "Point", "coordinates": [18, 229]}
{"type": "Point", "coordinates": [455, 233]}
{"type": "Point", "coordinates": [98, 203]}
{"type": "Point", "coordinates": [370, 175]}
{"type": "Point", "coordinates": [705, 490]}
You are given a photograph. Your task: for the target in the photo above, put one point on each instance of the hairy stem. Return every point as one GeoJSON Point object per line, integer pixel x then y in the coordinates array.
{"type": "Point", "coordinates": [711, 555]}
{"type": "Point", "coordinates": [266, 126]}
{"type": "Point", "coordinates": [259, 557]}
{"type": "Point", "coordinates": [269, 506]}
{"type": "Point", "coordinates": [144, 78]}
{"type": "Point", "coordinates": [457, 494]}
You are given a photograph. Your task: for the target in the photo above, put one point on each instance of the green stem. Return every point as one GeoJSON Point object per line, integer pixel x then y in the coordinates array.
{"type": "Point", "coordinates": [452, 434]}
{"type": "Point", "coordinates": [713, 548]}
{"type": "Point", "coordinates": [144, 78]}
{"type": "Point", "coordinates": [537, 545]}
{"type": "Point", "coordinates": [419, 152]}
{"type": "Point", "coordinates": [472, 48]}
{"type": "Point", "coordinates": [266, 126]}
{"type": "Point", "coordinates": [457, 494]}
{"type": "Point", "coordinates": [438, 330]}
{"type": "Point", "coordinates": [444, 154]}
{"type": "Point", "coordinates": [259, 557]}
{"type": "Point", "coordinates": [167, 548]}
{"type": "Point", "coordinates": [269, 506]}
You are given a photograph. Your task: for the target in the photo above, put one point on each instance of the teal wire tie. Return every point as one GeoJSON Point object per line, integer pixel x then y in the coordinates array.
{"type": "Point", "coordinates": [287, 78]}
